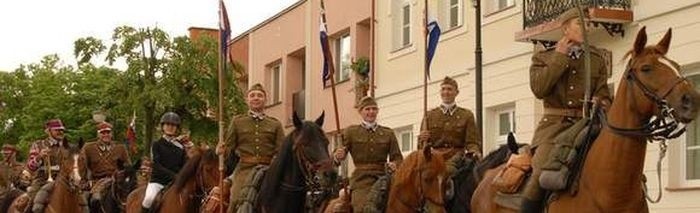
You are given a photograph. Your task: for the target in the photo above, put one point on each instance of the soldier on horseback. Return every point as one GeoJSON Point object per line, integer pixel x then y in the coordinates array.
{"type": "Point", "coordinates": [45, 156]}
{"type": "Point", "coordinates": [103, 157]}
{"type": "Point", "coordinates": [11, 167]}
{"type": "Point", "coordinates": [449, 127]}
{"type": "Point", "coordinates": [557, 78]}
{"type": "Point", "coordinates": [370, 144]}
{"type": "Point", "coordinates": [168, 154]}
{"type": "Point", "coordinates": [255, 138]}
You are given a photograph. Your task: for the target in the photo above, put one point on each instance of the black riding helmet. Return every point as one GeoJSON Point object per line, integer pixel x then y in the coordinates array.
{"type": "Point", "coordinates": [170, 118]}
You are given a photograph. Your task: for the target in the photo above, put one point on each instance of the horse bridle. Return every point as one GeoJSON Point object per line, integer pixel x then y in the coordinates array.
{"type": "Point", "coordinates": [422, 199]}
{"type": "Point", "coordinates": [664, 125]}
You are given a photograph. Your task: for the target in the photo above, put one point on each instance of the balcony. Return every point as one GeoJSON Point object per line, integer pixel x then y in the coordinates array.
{"type": "Point", "coordinates": [540, 24]}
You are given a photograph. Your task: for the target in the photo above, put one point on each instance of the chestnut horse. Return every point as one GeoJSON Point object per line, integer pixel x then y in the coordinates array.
{"type": "Point", "coordinates": [419, 183]}
{"type": "Point", "coordinates": [195, 179]}
{"type": "Point", "coordinates": [611, 179]}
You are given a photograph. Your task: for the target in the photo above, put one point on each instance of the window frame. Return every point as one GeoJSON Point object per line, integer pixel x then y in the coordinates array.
{"type": "Point", "coordinates": [275, 84]}
{"type": "Point", "coordinates": [342, 73]}
{"type": "Point", "coordinates": [459, 7]}
{"type": "Point", "coordinates": [405, 37]}
{"type": "Point", "coordinates": [400, 132]}
{"type": "Point", "coordinates": [502, 139]}
{"type": "Point", "coordinates": [683, 149]}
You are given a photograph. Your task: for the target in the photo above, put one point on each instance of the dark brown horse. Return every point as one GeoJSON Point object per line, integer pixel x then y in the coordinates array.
{"type": "Point", "coordinates": [195, 179]}
{"type": "Point", "coordinates": [123, 182]}
{"type": "Point", "coordinates": [301, 165]}
{"type": "Point", "coordinates": [611, 179]}
{"type": "Point", "coordinates": [419, 184]}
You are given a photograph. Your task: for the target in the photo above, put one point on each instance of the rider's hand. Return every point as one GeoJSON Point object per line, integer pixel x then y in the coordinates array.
{"type": "Point", "coordinates": [391, 165]}
{"type": "Point", "coordinates": [564, 45]}
{"type": "Point", "coordinates": [220, 149]}
{"type": "Point", "coordinates": [340, 154]}
{"type": "Point", "coordinates": [474, 155]}
{"type": "Point", "coordinates": [424, 136]}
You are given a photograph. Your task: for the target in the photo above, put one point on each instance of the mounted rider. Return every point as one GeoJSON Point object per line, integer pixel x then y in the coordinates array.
{"type": "Point", "coordinates": [370, 144]}
{"type": "Point", "coordinates": [103, 158]}
{"type": "Point", "coordinates": [557, 77]}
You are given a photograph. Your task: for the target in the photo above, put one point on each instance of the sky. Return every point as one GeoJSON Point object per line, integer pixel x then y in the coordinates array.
{"type": "Point", "coordinates": [32, 29]}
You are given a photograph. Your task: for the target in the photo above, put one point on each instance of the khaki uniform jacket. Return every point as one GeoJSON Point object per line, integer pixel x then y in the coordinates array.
{"type": "Point", "coordinates": [369, 150]}
{"type": "Point", "coordinates": [103, 163]}
{"type": "Point", "coordinates": [456, 130]}
{"type": "Point", "coordinates": [559, 82]}
{"type": "Point", "coordinates": [255, 142]}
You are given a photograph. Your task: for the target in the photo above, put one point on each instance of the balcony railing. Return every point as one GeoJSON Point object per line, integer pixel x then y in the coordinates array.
{"type": "Point", "coordinates": [540, 25]}
{"type": "Point", "coordinates": [540, 11]}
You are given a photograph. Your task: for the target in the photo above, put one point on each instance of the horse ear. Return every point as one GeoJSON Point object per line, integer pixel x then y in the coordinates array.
{"type": "Point", "coordinates": [665, 42]}
{"type": "Point", "coordinates": [512, 143]}
{"type": "Point", "coordinates": [319, 120]}
{"type": "Point", "coordinates": [296, 120]}
{"type": "Point", "coordinates": [641, 40]}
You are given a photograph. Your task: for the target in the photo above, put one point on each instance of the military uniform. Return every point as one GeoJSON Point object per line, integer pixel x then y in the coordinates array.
{"type": "Point", "coordinates": [559, 81]}
{"type": "Point", "coordinates": [369, 146]}
{"type": "Point", "coordinates": [452, 128]}
{"type": "Point", "coordinates": [255, 138]}
{"type": "Point", "coordinates": [39, 166]}
{"type": "Point", "coordinates": [102, 161]}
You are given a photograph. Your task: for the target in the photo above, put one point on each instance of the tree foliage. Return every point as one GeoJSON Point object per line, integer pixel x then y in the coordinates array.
{"type": "Point", "coordinates": [162, 74]}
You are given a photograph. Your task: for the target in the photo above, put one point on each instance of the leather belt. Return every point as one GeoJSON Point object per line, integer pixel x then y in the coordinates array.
{"type": "Point", "coordinates": [255, 160]}
{"type": "Point", "coordinates": [574, 112]}
{"type": "Point", "coordinates": [369, 166]}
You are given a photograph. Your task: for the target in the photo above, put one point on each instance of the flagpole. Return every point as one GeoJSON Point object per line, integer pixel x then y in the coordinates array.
{"type": "Point", "coordinates": [331, 69]}
{"type": "Point", "coordinates": [426, 66]}
{"type": "Point", "coordinates": [372, 24]}
{"type": "Point", "coordinates": [221, 109]}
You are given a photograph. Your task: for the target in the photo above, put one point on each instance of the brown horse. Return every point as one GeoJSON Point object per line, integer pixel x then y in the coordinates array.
{"type": "Point", "coordinates": [611, 179]}
{"type": "Point", "coordinates": [195, 179]}
{"type": "Point", "coordinates": [419, 183]}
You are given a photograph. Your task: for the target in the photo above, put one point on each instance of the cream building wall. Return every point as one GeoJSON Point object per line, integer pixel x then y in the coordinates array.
{"type": "Point", "coordinates": [506, 76]}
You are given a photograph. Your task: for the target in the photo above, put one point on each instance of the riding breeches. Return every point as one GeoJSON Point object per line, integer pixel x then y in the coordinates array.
{"type": "Point", "coordinates": [151, 191]}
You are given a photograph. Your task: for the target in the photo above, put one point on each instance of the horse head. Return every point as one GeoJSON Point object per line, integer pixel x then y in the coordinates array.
{"type": "Point", "coordinates": [311, 144]}
{"type": "Point", "coordinates": [72, 166]}
{"type": "Point", "coordinates": [420, 183]}
{"type": "Point", "coordinates": [654, 83]}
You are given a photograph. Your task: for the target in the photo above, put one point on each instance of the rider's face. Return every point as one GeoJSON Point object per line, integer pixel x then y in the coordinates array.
{"type": "Point", "coordinates": [574, 31]}
{"type": "Point", "coordinates": [369, 113]}
{"type": "Point", "coordinates": [448, 93]}
{"type": "Point", "coordinates": [105, 135]}
{"type": "Point", "coordinates": [56, 134]}
{"type": "Point", "coordinates": [169, 129]}
{"type": "Point", "coordinates": [256, 100]}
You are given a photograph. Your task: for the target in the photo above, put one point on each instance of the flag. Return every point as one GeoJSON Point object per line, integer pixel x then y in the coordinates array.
{"type": "Point", "coordinates": [224, 29]}
{"type": "Point", "coordinates": [433, 39]}
{"type": "Point", "coordinates": [131, 135]}
{"type": "Point", "coordinates": [325, 47]}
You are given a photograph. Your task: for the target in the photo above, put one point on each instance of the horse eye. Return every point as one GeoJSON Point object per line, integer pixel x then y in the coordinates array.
{"type": "Point", "coordinates": [646, 68]}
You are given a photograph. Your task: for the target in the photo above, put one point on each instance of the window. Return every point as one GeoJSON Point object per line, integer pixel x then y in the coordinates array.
{"type": "Point", "coordinates": [406, 25]}
{"type": "Point", "coordinates": [276, 83]}
{"type": "Point", "coordinates": [498, 5]}
{"type": "Point", "coordinates": [401, 24]}
{"type": "Point", "coordinates": [455, 13]}
{"type": "Point", "coordinates": [342, 62]}
{"type": "Point", "coordinates": [405, 138]}
{"type": "Point", "coordinates": [690, 151]}
{"type": "Point", "coordinates": [505, 123]}
{"type": "Point", "coordinates": [449, 14]}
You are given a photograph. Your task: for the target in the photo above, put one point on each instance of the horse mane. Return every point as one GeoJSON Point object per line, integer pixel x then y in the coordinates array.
{"type": "Point", "coordinates": [411, 161]}
{"type": "Point", "coordinates": [189, 170]}
{"type": "Point", "coordinates": [275, 172]}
